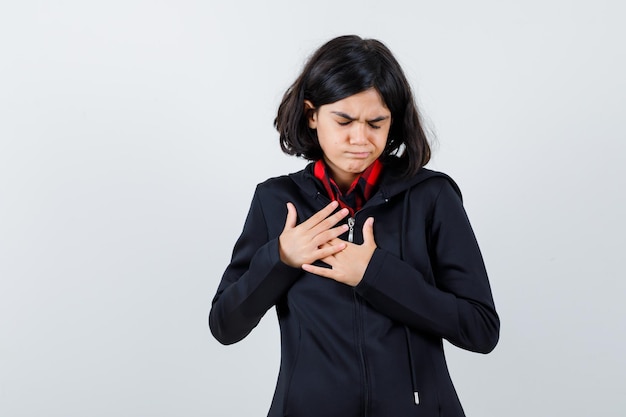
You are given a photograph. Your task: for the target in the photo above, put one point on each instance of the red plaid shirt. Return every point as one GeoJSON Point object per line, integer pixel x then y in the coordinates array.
{"type": "Point", "coordinates": [361, 189]}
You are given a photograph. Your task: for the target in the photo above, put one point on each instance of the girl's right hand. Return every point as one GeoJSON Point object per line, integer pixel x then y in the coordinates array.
{"type": "Point", "coordinates": [307, 242]}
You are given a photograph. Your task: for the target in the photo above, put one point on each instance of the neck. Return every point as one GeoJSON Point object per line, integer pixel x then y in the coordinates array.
{"type": "Point", "coordinates": [343, 181]}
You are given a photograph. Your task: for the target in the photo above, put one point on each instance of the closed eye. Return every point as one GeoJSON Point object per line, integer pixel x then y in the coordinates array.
{"type": "Point", "coordinates": [346, 119]}
{"type": "Point", "coordinates": [347, 122]}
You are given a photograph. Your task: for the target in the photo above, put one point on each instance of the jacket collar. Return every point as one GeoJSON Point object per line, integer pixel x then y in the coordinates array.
{"type": "Point", "coordinates": [390, 182]}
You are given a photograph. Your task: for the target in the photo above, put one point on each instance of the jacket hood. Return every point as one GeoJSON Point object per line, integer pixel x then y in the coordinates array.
{"type": "Point", "coordinates": [390, 185]}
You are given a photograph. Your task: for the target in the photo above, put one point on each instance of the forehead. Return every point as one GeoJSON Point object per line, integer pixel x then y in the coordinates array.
{"type": "Point", "coordinates": [365, 102]}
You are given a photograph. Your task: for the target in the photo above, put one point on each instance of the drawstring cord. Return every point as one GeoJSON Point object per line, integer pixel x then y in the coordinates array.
{"type": "Point", "coordinates": [407, 331]}
{"type": "Point", "coordinates": [412, 365]}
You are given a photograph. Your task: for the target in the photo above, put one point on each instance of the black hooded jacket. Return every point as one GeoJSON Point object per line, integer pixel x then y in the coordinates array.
{"type": "Point", "coordinates": [376, 349]}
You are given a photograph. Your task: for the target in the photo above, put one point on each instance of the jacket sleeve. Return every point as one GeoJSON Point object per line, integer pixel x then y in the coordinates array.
{"type": "Point", "coordinates": [459, 307]}
{"type": "Point", "coordinates": [253, 282]}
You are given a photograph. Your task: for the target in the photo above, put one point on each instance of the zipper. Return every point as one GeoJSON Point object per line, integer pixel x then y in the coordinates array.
{"type": "Point", "coordinates": [361, 351]}
{"type": "Point", "coordinates": [351, 222]}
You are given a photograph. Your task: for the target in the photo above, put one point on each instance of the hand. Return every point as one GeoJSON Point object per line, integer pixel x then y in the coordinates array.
{"type": "Point", "coordinates": [310, 240]}
{"type": "Point", "coordinates": [349, 265]}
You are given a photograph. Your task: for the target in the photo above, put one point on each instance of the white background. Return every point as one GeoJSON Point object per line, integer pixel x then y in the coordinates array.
{"type": "Point", "coordinates": [132, 134]}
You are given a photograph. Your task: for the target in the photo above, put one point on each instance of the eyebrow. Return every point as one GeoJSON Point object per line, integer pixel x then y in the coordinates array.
{"type": "Point", "coordinates": [348, 117]}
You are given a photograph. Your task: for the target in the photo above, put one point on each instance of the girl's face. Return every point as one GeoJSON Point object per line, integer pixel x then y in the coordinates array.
{"type": "Point", "coordinates": [352, 133]}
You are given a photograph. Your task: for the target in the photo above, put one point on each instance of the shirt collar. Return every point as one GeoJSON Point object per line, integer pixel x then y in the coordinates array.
{"type": "Point", "coordinates": [361, 189]}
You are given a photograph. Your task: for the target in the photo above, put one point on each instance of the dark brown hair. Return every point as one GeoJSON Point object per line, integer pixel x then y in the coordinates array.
{"type": "Point", "coordinates": [342, 67]}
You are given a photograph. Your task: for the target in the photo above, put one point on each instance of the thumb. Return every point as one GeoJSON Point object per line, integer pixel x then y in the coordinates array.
{"type": "Point", "coordinates": [368, 232]}
{"type": "Point", "coordinates": [292, 216]}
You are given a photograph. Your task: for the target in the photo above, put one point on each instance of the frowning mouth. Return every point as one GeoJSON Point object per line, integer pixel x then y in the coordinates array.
{"type": "Point", "coordinates": [358, 155]}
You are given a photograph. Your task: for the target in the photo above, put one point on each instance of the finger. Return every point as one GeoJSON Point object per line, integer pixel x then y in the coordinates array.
{"type": "Point", "coordinates": [337, 241]}
{"type": "Point", "coordinates": [319, 270]}
{"type": "Point", "coordinates": [327, 250]}
{"type": "Point", "coordinates": [318, 217]}
{"type": "Point", "coordinates": [324, 245]}
{"type": "Point", "coordinates": [292, 217]}
{"type": "Point", "coordinates": [368, 232]}
{"type": "Point", "coordinates": [330, 221]}
{"type": "Point", "coordinates": [331, 235]}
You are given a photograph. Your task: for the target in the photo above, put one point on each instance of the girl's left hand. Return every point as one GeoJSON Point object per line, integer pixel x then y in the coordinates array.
{"type": "Point", "coordinates": [349, 265]}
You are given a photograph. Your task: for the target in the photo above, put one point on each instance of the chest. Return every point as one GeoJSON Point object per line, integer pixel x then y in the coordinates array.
{"type": "Point", "coordinates": [401, 224]}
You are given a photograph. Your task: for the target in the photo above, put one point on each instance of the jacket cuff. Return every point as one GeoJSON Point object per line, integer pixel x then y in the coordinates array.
{"type": "Point", "coordinates": [372, 272]}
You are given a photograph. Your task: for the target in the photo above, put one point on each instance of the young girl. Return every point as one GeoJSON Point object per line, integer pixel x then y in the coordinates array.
{"type": "Point", "coordinates": [368, 257]}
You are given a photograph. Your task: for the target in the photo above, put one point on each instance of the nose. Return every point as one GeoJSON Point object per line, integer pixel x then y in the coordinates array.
{"type": "Point", "coordinates": [358, 134]}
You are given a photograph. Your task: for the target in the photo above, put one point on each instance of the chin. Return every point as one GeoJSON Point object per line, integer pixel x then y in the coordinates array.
{"type": "Point", "coordinates": [357, 169]}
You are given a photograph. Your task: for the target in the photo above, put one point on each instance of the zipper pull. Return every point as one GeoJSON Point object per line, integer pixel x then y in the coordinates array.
{"type": "Point", "coordinates": [351, 222]}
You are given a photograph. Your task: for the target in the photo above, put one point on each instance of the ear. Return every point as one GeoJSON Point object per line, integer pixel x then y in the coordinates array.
{"type": "Point", "coordinates": [311, 114]}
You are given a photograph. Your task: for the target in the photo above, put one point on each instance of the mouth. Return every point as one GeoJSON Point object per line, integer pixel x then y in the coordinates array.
{"type": "Point", "coordinates": [358, 155]}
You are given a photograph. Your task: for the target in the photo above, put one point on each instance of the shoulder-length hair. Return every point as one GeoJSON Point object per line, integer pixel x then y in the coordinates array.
{"type": "Point", "coordinates": [342, 67]}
